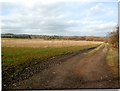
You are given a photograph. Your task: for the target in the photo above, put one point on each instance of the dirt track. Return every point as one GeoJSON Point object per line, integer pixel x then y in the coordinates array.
{"type": "Point", "coordinates": [84, 70]}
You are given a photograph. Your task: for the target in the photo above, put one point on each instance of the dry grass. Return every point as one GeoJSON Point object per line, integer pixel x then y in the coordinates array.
{"type": "Point", "coordinates": [112, 61]}
{"type": "Point", "coordinates": [43, 43]}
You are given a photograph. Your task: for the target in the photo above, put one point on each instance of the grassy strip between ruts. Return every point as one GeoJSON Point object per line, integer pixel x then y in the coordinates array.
{"type": "Point", "coordinates": [112, 61]}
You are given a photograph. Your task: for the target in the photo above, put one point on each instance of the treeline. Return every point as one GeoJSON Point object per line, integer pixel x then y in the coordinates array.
{"type": "Point", "coordinates": [47, 37]}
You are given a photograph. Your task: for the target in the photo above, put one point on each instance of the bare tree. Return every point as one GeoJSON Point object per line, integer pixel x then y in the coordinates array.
{"type": "Point", "coordinates": [114, 37]}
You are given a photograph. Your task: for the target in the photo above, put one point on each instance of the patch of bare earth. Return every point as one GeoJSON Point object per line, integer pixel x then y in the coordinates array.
{"type": "Point", "coordinates": [84, 70]}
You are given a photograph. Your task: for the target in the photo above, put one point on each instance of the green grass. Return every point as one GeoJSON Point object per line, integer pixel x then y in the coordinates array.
{"type": "Point", "coordinates": [112, 61]}
{"type": "Point", "coordinates": [19, 55]}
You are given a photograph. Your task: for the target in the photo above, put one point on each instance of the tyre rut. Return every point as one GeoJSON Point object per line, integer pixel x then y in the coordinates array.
{"type": "Point", "coordinates": [84, 70]}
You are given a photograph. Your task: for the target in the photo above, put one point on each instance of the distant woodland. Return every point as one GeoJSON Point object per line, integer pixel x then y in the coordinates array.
{"type": "Point", "coordinates": [112, 38]}
{"type": "Point", "coordinates": [47, 37]}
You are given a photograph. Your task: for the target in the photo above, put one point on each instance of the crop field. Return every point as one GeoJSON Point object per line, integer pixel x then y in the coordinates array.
{"type": "Point", "coordinates": [17, 54]}
{"type": "Point", "coordinates": [37, 43]}
{"type": "Point", "coordinates": [22, 58]}
{"type": "Point", "coordinates": [18, 51]}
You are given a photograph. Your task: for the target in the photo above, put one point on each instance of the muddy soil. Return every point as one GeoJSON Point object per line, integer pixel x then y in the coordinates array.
{"type": "Point", "coordinates": [86, 69]}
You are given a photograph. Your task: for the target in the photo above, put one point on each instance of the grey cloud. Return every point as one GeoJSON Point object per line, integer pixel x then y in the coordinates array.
{"type": "Point", "coordinates": [49, 19]}
{"type": "Point", "coordinates": [40, 18]}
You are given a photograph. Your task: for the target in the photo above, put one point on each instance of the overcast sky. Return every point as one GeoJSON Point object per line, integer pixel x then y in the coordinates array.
{"type": "Point", "coordinates": [59, 17]}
